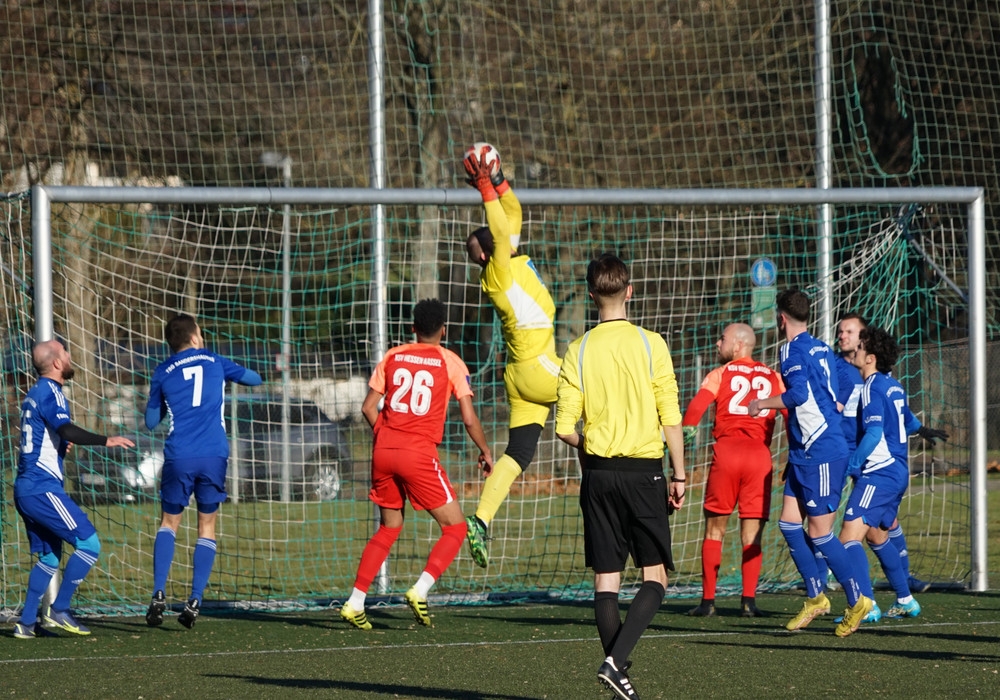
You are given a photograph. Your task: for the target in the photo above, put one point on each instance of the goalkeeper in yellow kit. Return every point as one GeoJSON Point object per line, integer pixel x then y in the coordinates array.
{"type": "Point", "coordinates": [527, 313]}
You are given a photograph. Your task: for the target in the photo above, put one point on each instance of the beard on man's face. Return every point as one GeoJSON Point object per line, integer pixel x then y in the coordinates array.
{"type": "Point", "coordinates": [68, 373]}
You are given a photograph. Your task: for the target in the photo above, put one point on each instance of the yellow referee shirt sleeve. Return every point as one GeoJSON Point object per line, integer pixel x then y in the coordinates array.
{"type": "Point", "coordinates": [570, 403]}
{"type": "Point", "coordinates": [664, 381]}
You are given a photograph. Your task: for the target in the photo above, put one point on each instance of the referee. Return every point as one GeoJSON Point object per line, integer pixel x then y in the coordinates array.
{"type": "Point", "coordinates": [620, 379]}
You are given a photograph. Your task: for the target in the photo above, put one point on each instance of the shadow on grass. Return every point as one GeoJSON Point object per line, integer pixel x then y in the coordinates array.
{"type": "Point", "coordinates": [390, 690]}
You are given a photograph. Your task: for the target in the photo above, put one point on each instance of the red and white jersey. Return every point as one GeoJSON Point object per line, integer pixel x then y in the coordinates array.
{"type": "Point", "coordinates": [731, 387]}
{"type": "Point", "coordinates": [417, 380]}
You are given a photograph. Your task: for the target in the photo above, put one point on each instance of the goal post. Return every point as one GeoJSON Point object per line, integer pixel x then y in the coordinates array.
{"type": "Point", "coordinates": [217, 252]}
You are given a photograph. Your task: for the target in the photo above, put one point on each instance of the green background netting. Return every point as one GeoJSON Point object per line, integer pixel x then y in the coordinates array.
{"type": "Point", "coordinates": [592, 94]}
{"type": "Point", "coordinates": [120, 273]}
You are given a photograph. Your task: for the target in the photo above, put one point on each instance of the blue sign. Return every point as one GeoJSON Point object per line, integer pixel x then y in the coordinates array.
{"type": "Point", "coordinates": [763, 272]}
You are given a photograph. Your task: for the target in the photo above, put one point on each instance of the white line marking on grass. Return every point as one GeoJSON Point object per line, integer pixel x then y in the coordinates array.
{"type": "Point", "coordinates": [454, 645]}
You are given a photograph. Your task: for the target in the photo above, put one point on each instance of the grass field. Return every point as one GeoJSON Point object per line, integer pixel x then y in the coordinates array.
{"type": "Point", "coordinates": [517, 652]}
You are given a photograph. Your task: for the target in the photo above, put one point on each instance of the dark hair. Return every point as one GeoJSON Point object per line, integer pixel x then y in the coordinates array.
{"type": "Point", "coordinates": [179, 330]}
{"type": "Point", "coordinates": [879, 343]}
{"type": "Point", "coordinates": [429, 316]}
{"type": "Point", "coordinates": [855, 317]}
{"type": "Point", "coordinates": [485, 238]}
{"type": "Point", "coordinates": [795, 303]}
{"type": "Point", "coordinates": [607, 276]}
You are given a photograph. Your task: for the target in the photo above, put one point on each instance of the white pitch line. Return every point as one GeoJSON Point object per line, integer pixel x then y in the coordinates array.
{"type": "Point", "coordinates": [452, 645]}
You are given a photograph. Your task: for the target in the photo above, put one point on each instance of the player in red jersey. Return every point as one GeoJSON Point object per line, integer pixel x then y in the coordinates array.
{"type": "Point", "coordinates": [416, 380]}
{"type": "Point", "coordinates": [742, 470]}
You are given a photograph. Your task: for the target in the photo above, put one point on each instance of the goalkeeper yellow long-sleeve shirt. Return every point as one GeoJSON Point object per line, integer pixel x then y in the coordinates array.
{"type": "Point", "coordinates": [514, 287]}
{"type": "Point", "coordinates": [619, 377]}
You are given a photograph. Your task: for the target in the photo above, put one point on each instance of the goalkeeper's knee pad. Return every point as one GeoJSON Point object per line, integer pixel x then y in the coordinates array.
{"type": "Point", "coordinates": [522, 443]}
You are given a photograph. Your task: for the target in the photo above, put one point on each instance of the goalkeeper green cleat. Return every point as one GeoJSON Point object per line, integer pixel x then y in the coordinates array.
{"type": "Point", "coordinates": [477, 538]}
{"type": "Point", "coordinates": [811, 609]}
{"type": "Point", "coordinates": [854, 616]}
{"type": "Point", "coordinates": [356, 618]}
{"type": "Point", "coordinates": [419, 607]}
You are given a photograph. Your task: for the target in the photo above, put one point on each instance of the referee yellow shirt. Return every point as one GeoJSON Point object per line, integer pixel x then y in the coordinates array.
{"type": "Point", "coordinates": [620, 379]}
{"type": "Point", "coordinates": [515, 288]}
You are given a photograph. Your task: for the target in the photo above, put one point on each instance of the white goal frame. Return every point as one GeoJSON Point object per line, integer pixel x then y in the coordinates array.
{"type": "Point", "coordinates": [42, 198]}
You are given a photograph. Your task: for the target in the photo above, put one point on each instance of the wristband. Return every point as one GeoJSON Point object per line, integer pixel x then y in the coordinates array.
{"type": "Point", "coordinates": [678, 481]}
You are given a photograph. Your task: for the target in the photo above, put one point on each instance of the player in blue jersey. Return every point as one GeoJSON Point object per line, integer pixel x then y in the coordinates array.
{"type": "Point", "coordinates": [190, 388]}
{"type": "Point", "coordinates": [882, 462]}
{"type": "Point", "coordinates": [849, 384]}
{"type": "Point", "coordinates": [50, 516]}
{"type": "Point", "coordinates": [817, 464]}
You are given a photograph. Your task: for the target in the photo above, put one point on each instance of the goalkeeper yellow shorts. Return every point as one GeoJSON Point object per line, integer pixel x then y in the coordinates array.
{"type": "Point", "coordinates": [531, 388]}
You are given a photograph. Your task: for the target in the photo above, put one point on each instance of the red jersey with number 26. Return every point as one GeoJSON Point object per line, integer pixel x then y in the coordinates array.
{"type": "Point", "coordinates": [417, 380]}
{"type": "Point", "coordinates": [731, 387]}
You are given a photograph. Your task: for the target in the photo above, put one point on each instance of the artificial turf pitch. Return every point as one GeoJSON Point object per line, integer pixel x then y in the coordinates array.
{"type": "Point", "coordinates": [516, 652]}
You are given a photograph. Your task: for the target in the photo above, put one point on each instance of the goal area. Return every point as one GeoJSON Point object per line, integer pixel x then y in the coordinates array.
{"type": "Point", "coordinates": [310, 286]}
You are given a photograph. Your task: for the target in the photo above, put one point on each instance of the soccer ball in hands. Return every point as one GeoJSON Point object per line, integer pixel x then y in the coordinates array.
{"type": "Point", "coordinates": [491, 155]}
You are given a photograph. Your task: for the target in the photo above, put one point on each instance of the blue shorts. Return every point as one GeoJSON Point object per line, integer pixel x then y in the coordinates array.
{"type": "Point", "coordinates": [817, 486]}
{"type": "Point", "coordinates": [876, 497]}
{"type": "Point", "coordinates": [205, 478]}
{"type": "Point", "coordinates": [50, 519]}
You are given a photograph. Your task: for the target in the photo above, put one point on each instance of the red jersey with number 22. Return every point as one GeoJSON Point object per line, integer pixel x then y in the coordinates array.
{"type": "Point", "coordinates": [417, 380]}
{"type": "Point", "coordinates": [731, 387]}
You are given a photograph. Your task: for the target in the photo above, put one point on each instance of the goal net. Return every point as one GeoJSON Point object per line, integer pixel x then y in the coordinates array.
{"type": "Point", "coordinates": [292, 540]}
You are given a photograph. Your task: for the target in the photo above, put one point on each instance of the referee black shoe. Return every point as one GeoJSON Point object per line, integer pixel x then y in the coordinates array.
{"type": "Point", "coordinates": [616, 680]}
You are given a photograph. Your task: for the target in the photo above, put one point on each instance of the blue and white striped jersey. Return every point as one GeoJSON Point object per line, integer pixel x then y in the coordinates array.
{"type": "Point", "coordinates": [814, 428]}
{"type": "Point", "coordinates": [884, 407]}
{"type": "Point", "coordinates": [40, 462]}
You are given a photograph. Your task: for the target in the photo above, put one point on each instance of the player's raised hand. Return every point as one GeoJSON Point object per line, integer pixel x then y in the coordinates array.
{"type": "Point", "coordinates": [479, 174]}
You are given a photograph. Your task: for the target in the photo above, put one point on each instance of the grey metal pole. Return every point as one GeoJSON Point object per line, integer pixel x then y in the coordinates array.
{"type": "Point", "coordinates": [286, 340]}
{"type": "Point", "coordinates": [273, 159]}
{"type": "Point", "coordinates": [41, 262]}
{"type": "Point", "coordinates": [977, 388]}
{"type": "Point", "coordinates": [824, 168]}
{"type": "Point", "coordinates": [380, 297]}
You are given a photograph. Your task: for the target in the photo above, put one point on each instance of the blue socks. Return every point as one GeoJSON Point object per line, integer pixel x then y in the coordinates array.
{"type": "Point", "coordinates": [899, 542]}
{"type": "Point", "coordinates": [163, 557]}
{"type": "Point", "coordinates": [38, 581]}
{"type": "Point", "coordinates": [77, 568]}
{"type": "Point", "coordinates": [204, 559]}
{"type": "Point", "coordinates": [844, 566]}
{"type": "Point", "coordinates": [892, 564]}
{"type": "Point", "coordinates": [802, 555]}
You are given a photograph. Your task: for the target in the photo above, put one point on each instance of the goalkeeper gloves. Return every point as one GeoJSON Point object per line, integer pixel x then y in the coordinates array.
{"type": "Point", "coordinates": [498, 179]}
{"type": "Point", "coordinates": [480, 176]}
{"type": "Point", "coordinates": [931, 434]}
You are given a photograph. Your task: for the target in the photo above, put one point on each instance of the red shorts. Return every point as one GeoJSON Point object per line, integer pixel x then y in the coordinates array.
{"type": "Point", "coordinates": [398, 475]}
{"type": "Point", "coordinates": [741, 473]}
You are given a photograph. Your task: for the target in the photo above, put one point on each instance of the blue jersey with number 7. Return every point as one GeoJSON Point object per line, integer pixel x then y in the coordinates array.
{"type": "Point", "coordinates": [190, 388]}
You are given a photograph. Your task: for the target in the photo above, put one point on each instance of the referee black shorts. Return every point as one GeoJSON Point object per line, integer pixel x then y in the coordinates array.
{"type": "Point", "coordinates": [624, 504]}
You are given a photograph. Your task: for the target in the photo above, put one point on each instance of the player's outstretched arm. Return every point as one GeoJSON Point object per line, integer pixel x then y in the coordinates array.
{"type": "Point", "coordinates": [78, 436]}
{"type": "Point", "coordinates": [475, 430]}
{"type": "Point", "coordinates": [250, 378]}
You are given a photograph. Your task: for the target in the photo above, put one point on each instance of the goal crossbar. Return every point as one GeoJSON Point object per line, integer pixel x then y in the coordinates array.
{"type": "Point", "coordinates": [42, 198]}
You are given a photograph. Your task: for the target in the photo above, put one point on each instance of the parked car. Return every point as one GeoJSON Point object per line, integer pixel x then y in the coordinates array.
{"type": "Point", "coordinates": [319, 456]}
